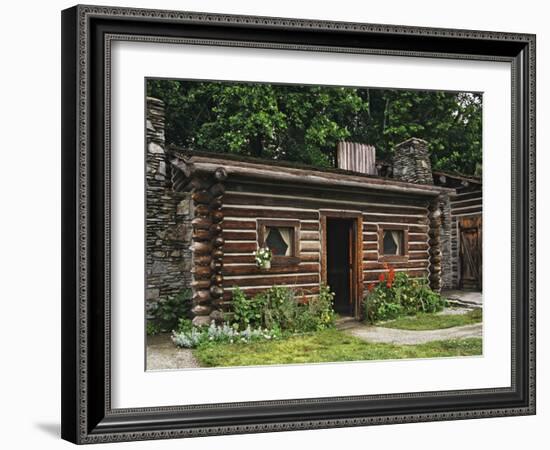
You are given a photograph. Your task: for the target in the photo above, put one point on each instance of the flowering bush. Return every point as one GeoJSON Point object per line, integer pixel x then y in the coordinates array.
{"type": "Point", "coordinates": [221, 334]}
{"type": "Point", "coordinates": [396, 295]}
{"type": "Point", "coordinates": [263, 257]}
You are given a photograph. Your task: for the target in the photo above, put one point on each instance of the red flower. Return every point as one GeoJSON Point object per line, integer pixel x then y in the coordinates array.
{"type": "Point", "coordinates": [370, 287]}
{"type": "Point", "coordinates": [381, 277]}
{"type": "Point", "coordinates": [388, 285]}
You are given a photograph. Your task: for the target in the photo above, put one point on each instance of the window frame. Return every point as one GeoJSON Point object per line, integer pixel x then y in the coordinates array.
{"type": "Point", "coordinates": [263, 224]}
{"type": "Point", "coordinates": [393, 258]}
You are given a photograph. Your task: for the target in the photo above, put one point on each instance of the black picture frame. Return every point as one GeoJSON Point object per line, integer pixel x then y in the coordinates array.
{"type": "Point", "coordinates": [87, 416]}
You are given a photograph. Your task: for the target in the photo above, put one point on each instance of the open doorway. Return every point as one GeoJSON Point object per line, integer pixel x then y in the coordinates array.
{"type": "Point", "coordinates": [341, 267]}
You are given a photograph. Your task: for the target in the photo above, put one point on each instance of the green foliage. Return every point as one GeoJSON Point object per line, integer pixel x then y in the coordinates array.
{"type": "Point", "coordinates": [317, 314]}
{"type": "Point", "coordinates": [430, 321]}
{"type": "Point", "coordinates": [278, 308]}
{"type": "Point", "coordinates": [329, 345]}
{"type": "Point", "coordinates": [246, 312]}
{"type": "Point", "coordinates": [152, 328]}
{"type": "Point", "coordinates": [304, 123]}
{"type": "Point", "coordinates": [396, 295]}
{"type": "Point", "coordinates": [169, 310]}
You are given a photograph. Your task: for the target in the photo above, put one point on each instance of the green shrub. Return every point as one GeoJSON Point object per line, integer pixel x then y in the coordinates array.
{"type": "Point", "coordinates": [317, 314]}
{"type": "Point", "coordinates": [278, 308]}
{"type": "Point", "coordinates": [169, 310]}
{"type": "Point", "coordinates": [245, 311]}
{"type": "Point", "coordinates": [396, 294]}
{"type": "Point", "coordinates": [152, 328]}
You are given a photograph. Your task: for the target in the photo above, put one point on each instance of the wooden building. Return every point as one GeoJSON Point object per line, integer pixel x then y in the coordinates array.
{"type": "Point", "coordinates": [323, 226]}
{"type": "Point", "coordinates": [208, 213]}
{"type": "Point", "coordinates": [466, 207]}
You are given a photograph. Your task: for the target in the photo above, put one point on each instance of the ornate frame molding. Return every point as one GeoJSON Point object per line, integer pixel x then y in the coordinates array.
{"type": "Point", "coordinates": [87, 421]}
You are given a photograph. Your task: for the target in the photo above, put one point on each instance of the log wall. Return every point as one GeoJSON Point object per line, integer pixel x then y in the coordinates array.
{"type": "Point", "coordinates": [244, 204]}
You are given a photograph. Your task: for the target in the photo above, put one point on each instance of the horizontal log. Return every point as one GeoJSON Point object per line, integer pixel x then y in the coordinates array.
{"type": "Point", "coordinates": [377, 219]}
{"type": "Point", "coordinates": [370, 256]}
{"type": "Point", "coordinates": [396, 265]}
{"type": "Point", "coordinates": [201, 248]}
{"type": "Point", "coordinates": [330, 193]}
{"type": "Point", "coordinates": [252, 269]}
{"type": "Point", "coordinates": [309, 226]}
{"type": "Point", "coordinates": [370, 246]}
{"type": "Point", "coordinates": [283, 280]}
{"type": "Point", "coordinates": [370, 227]}
{"type": "Point", "coordinates": [309, 236]}
{"type": "Point", "coordinates": [240, 247]}
{"type": "Point", "coordinates": [309, 257]}
{"type": "Point", "coordinates": [413, 273]}
{"type": "Point", "coordinates": [418, 246]}
{"type": "Point", "coordinates": [216, 291]}
{"type": "Point", "coordinates": [300, 201]}
{"type": "Point", "coordinates": [200, 284]}
{"type": "Point", "coordinates": [203, 223]}
{"type": "Point", "coordinates": [230, 235]}
{"type": "Point", "coordinates": [202, 235]}
{"type": "Point", "coordinates": [310, 246]}
{"type": "Point", "coordinates": [202, 197]}
{"type": "Point", "coordinates": [229, 224]}
{"type": "Point", "coordinates": [232, 211]}
{"type": "Point", "coordinates": [250, 292]}
{"type": "Point", "coordinates": [418, 228]}
{"type": "Point", "coordinates": [370, 237]}
{"type": "Point", "coordinates": [418, 255]}
{"type": "Point", "coordinates": [471, 210]}
{"type": "Point", "coordinates": [201, 296]}
{"type": "Point", "coordinates": [463, 203]}
{"type": "Point", "coordinates": [220, 174]}
{"type": "Point", "coordinates": [202, 260]}
{"type": "Point", "coordinates": [468, 195]}
{"type": "Point", "coordinates": [217, 216]}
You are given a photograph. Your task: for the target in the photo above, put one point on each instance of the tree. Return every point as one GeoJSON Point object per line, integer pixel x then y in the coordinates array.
{"type": "Point", "coordinates": [305, 123]}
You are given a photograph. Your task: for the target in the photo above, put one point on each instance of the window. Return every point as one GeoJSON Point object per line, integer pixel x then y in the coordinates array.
{"type": "Point", "coordinates": [282, 237]}
{"type": "Point", "coordinates": [393, 243]}
{"type": "Point", "coordinates": [280, 240]}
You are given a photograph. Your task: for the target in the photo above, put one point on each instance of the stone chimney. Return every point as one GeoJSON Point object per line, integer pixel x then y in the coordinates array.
{"type": "Point", "coordinates": [356, 157]}
{"type": "Point", "coordinates": [411, 162]}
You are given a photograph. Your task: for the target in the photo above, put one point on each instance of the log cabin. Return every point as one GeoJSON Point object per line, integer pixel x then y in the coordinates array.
{"type": "Point", "coordinates": [207, 214]}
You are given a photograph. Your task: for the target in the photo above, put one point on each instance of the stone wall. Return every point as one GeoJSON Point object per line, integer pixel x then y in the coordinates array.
{"type": "Point", "coordinates": [168, 217]}
{"type": "Point", "coordinates": [411, 162]}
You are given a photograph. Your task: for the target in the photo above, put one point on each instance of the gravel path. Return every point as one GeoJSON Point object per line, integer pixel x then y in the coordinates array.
{"type": "Point", "coordinates": [408, 337]}
{"type": "Point", "coordinates": [162, 354]}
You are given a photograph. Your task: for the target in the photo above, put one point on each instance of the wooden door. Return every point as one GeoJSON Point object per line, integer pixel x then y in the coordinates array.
{"type": "Point", "coordinates": [340, 264]}
{"type": "Point", "coordinates": [470, 252]}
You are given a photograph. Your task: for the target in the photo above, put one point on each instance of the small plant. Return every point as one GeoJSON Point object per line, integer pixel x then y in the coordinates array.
{"type": "Point", "coordinates": [263, 257]}
{"type": "Point", "coordinates": [317, 313]}
{"type": "Point", "coordinates": [221, 334]}
{"type": "Point", "coordinates": [396, 295]}
{"type": "Point", "coordinates": [246, 312]}
{"type": "Point", "coordinates": [152, 328]}
{"type": "Point", "coordinates": [167, 311]}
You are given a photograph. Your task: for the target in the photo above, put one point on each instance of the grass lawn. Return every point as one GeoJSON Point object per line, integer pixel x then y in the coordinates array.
{"type": "Point", "coordinates": [434, 321]}
{"type": "Point", "coordinates": [326, 346]}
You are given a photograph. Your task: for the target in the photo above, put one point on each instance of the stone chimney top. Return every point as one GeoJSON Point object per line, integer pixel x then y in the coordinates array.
{"type": "Point", "coordinates": [411, 162]}
{"type": "Point", "coordinates": [356, 157]}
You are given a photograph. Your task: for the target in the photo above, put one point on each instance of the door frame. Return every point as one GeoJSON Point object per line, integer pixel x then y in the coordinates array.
{"type": "Point", "coordinates": [357, 257]}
